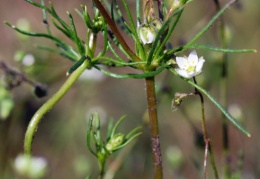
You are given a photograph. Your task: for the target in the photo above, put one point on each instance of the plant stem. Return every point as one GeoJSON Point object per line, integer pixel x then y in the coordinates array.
{"type": "Point", "coordinates": [223, 92]}
{"type": "Point", "coordinates": [155, 141]}
{"type": "Point", "coordinates": [208, 149]}
{"type": "Point", "coordinates": [102, 163]}
{"type": "Point", "coordinates": [115, 30]}
{"type": "Point", "coordinates": [36, 119]}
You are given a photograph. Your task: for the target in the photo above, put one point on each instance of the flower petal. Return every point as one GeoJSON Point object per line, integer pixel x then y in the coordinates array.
{"type": "Point", "coordinates": [183, 73]}
{"type": "Point", "coordinates": [182, 63]}
{"type": "Point", "coordinates": [200, 65]}
{"type": "Point", "coordinates": [193, 58]}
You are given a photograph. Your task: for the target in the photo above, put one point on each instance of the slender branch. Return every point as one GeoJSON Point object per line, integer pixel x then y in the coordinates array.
{"type": "Point", "coordinates": [36, 119]}
{"type": "Point", "coordinates": [208, 149]}
{"type": "Point", "coordinates": [223, 92]}
{"type": "Point", "coordinates": [152, 111]}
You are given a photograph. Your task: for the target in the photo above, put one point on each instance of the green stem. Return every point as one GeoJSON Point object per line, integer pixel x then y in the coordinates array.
{"type": "Point", "coordinates": [152, 111]}
{"type": "Point", "coordinates": [206, 138]}
{"type": "Point", "coordinates": [102, 163]}
{"type": "Point", "coordinates": [223, 93]}
{"type": "Point", "coordinates": [36, 119]}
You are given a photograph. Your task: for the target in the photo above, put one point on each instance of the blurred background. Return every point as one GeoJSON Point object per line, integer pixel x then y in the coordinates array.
{"type": "Point", "coordinates": [61, 136]}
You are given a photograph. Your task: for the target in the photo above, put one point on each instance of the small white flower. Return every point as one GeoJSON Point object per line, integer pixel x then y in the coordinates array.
{"type": "Point", "coordinates": [190, 66]}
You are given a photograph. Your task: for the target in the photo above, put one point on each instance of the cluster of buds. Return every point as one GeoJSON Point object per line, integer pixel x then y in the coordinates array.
{"type": "Point", "coordinates": [114, 141]}
{"type": "Point", "coordinates": [96, 24]}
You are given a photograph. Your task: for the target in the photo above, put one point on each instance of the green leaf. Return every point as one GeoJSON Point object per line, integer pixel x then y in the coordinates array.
{"type": "Point", "coordinates": [169, 33]}
{"type": "Point", "coordinates": [89, 135]}
{"type": "Point", "coordinates": [77, 40]}
{"type": "Point", "coordinates": [211, 22]}
{"type": "Point", "coordinates": [179, 49]}
{"type": "Point", "coordinates": [135, 76]}
{"type": "Point", "coordinates": [155, 46]}
{"type": "Point", "coordinates": [116, 125]}
{"type": "Point", "coordinates": [61, 53]}
{"type": "Point", "coordinates": [77, 64]}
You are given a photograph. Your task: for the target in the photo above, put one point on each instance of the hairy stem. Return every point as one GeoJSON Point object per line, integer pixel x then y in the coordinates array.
{"type": "Point", "coordinates": [155, 141]}
{"type": "Point", "coordinates": [36, 119]}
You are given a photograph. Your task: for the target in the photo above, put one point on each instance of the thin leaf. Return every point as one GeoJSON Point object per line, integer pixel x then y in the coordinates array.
{"type": "Point", "coordinates": [116, 125]}
{"type": "Point", "coordinates": [35, 34]}
{"type": "Point", "coordinates": [155, 44]}
{"type": "Point", "coordinates": [115, 62]}
{"type": "Point", "coordinates": [132, 132]}
{"type": "Point", "coordinates": [169, 33]}
{"type": "Point", "coordinates": [177, 49]}
{"type": "Point", "coordinates": [44, 16]}
{"type": "Point", "coordinates": [50, 11]}
{"type": "Point", "coordinates": [55, 15]}
{"type": "Point", "coordinates": [128, 141]}
{"type": "Point", "coordinates": [89, 134]}
{"type": "Point", "coordinates": [211, 22]}
{"type": "Point", "coordinates": [134, 76]}
{"type": "Point", "coordinates": [64, 31]}
{"type": "Point", "coordinates": [129, 15]}
{"type": "Point", "coordinates": [63, 54]}
{"type": "Point", "coordinates": [57, 41]}
{"type": "Point", "coordinates": [77, 40]}
{"type": "Point", "coordinates": [77, 64]}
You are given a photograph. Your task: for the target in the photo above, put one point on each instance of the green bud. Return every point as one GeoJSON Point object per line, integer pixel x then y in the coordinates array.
{"type": "Point", "coordinates": [157, 24]}
{"type": "Point", "coordinates": [115, 142]}
{"type": "Point", "coordinates": [146, 34]}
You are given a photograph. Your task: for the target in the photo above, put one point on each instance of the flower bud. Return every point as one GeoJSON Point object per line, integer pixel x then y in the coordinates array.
{"type": "Point", "coordinates": [32, 167]}
{"type": "Point", "coordinates": [115, 142]}
{"type": "Point", "coordinates": [146, 34]}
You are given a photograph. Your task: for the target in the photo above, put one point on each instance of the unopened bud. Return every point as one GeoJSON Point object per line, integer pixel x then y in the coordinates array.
{"type": "Point", "coordinates": [115, 142]}
{"type": "Point", "coordinates": [146, 34]}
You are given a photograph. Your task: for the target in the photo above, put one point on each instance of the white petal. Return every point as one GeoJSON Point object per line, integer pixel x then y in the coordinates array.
{"type": "Point", "coordinates": [182, 63]}
{"type": "Point", "coordinates": [150, 37]}
{"type": "Point", "coordinates": [200, 65]}
{"type": "Point", "coordinates": [183, 73]}
{"type": "Point", "coordinates": [193, 58]}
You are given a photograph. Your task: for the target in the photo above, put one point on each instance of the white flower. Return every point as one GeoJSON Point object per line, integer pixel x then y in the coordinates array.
{"type": "Point", "coordinates": [189, 66]}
